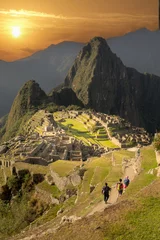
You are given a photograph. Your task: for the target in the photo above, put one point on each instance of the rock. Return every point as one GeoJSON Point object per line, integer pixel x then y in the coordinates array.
{"type": "Point", "coordinates": [49, 179]}
{"type": "Point", "coordinates": [60, 182]}
{"type": "Point", "coordinates": [75, 179]}
{"type": "Point", "coordinates": [3, 149]}
{"type": "Point", "coordinates": [92, 188]}
{"type": "Point", "coordinates": [158, 157]}
{"type": "Point", "coordinates": [19, 138]}
{"type": "Point", "coordinates": [60, 211]}
{"type": "Point", "coordinates": [71, 192]}
{"type": "Point", "coordinates": [151, 171]}
{"type": "Point", "coordinates": [70, 219]}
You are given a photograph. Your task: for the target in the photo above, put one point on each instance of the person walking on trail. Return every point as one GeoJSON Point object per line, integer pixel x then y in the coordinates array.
{"type": "Point", "coordinates": [105, 191]}
{"type": "Point", "coordinates": [120, 187]}
{"type": "Point", "coordinates": [126, 182]}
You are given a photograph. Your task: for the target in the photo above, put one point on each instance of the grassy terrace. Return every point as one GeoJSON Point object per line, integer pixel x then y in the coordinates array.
{"type": "Point", "coordinates": [80, 131]}
{"type": "Point", "coordinates": [121, 154]}
{"type": "Point", "coordinates": [34, 168]}
{"type": "Point", "coordinates": [63, 168]}
{"type": "Point", "coordinates": [97, 171]}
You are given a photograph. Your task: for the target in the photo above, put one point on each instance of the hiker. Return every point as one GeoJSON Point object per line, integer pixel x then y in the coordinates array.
{"type": "Point", "coordinates": [120, 187]}
{"type": "Point", "coordinates": [105, 192]}
{"type": "Point", "coordinates": [138, 152]}
{"type": "Point", "coordinates": [126, 182]}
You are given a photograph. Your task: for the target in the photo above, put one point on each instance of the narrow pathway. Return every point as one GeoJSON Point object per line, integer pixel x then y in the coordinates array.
{"type": "Point", "coordinates": [130, 170]}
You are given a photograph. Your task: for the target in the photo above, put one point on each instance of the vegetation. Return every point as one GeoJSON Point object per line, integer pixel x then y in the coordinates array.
{"type": "Point", "coordinates": [21, 208]}
{"type": "Point", "coordinates": [52, 189]}
{"type": "Point", "coordinates": [157, 142]}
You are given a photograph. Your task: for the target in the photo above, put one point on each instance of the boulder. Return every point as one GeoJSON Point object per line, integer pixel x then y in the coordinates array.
{"type": "Point", "coordinates": [60, 182]}
{"type": "Point", "coordinates": [3, 149]}
{"type": "Point", "coordinates": [75, 179]}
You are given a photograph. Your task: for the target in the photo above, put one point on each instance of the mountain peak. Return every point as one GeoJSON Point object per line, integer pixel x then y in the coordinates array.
{"type": "Point", "coordinates": [29, 97]}
{"type": "Point", "coordinates": [94, 63]}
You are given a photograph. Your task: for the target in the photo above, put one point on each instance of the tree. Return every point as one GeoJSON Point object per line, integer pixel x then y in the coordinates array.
{"type": "Point", "coordinates": [157, 142]}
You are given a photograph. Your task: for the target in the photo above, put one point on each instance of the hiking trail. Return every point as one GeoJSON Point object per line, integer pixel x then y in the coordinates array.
{"type": "Point", "coordinates": [130, 168]}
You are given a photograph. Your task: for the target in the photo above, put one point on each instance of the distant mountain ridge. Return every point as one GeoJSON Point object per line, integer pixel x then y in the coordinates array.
{"type": "Point", "coordinates": [49, 67]}
{"type": "Point", "coordinates": [139, 49]}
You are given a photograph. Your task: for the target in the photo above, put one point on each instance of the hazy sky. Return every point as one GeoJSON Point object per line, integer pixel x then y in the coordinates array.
{"type": "Point", "coordinates": [43, 22]}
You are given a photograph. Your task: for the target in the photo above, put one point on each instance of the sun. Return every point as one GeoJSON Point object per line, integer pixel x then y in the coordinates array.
{"type": "Point", "coordinates": [16, 31]}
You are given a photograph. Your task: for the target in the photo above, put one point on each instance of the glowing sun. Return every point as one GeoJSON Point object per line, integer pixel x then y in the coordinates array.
{"type": "Point", "coordinates": [16, 31]}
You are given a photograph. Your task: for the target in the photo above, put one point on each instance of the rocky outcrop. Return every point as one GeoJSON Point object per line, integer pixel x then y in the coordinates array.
{"type": "Point", "coordinates": [3, 149]}
{"type": "Point", "coordinates": [62, 182]}
{"type": "Point", "coordinates": [75, 179]}
{"type": "Point", "coordinates": [65, 96]}
{"type": "Point", "coordinates": [158, 157]}
{"type": "Point", "coordinates": [45, 196]}
{"type": "Point", "coordinates": [102, 82]}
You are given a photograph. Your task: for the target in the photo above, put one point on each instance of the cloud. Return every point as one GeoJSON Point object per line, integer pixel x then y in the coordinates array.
{"type": "Point", "coordinates": [90, 17]}
{"type": "Point", "coordinates": [24, 13]}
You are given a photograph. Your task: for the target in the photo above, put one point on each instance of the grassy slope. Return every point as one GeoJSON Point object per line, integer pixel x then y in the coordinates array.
{"type": "Point", "coordinates": [63, 168]}
{"type": "Point", "coordinates": [135, 216]}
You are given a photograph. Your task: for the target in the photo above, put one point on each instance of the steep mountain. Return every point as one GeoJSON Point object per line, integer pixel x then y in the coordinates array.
{"type": "Point", "coordinates": [48, 67]}
{"type": "Point", "coordinates": [102, 82]}
{"type": "Point", "coordinates": [139, 49]}
{"type": "Point", "coordinates": [28, 98]}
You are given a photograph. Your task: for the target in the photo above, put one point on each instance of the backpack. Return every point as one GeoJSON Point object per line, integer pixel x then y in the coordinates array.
{"type": "Point", "coordinates": [119, 186]}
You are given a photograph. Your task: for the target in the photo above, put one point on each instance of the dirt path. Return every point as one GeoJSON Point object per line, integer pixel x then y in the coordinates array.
{"type": "Point", "coordinates": [131, 169]}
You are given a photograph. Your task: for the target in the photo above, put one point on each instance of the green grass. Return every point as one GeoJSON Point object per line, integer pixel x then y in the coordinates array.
{"type": "Point", "coordinates": [79, 130]}
{"type": "Point", "coordinates": [1, 177]}
{"type": "Point", "coordinates": [114, 175]}
{"type": "Point", "coordinates": [63, 168]}
{"type": "Point", "coordinates": [76, 125]}
{"type": "Point", "coordinates": [33, 168]}
{"type": "Point", "coordinates": [144, 179]}
{"type": "Point", "coordinates": [97, 171]}
{"type": "Point", "coordinates": [139, 223]}
{"type": "Point", "coordinates": [107, 143]}
{"type": "Point", "coordinates": [100, 174]}
{"type": "Point", "coordinates": [52, 189]}
{"type": "Point", "coordinates": [122, 154]}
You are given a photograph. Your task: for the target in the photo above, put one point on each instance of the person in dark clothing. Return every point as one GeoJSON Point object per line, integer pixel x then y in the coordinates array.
{"type": "Point", "coordinates": [105, 191]}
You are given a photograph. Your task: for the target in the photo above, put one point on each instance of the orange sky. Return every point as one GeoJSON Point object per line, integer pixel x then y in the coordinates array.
{"type": "Point", "coordinates": [44, 22]}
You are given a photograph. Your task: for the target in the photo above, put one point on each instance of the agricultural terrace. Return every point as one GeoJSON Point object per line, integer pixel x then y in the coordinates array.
{"type": "Point", "coordinates": [85, 130]}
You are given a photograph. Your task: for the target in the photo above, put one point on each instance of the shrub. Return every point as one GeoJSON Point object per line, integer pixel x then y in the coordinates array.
{"type": "Point", "coordinates": [156, 142]}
